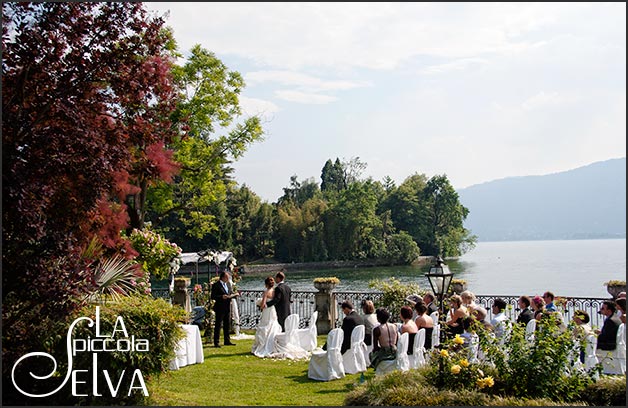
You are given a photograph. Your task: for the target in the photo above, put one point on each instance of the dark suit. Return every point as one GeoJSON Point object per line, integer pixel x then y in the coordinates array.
{"type": "Point", "coordinates": [525, 316]}
{"type": "Point", "coordinates": [431, 308]}
{"type": "Point", "coordinates": [281, 301]}
{"type": "Point", "coordinates": [222, 307]}
{"type": "Point", "coordinates": [348, 324]}
{"type": "Point", "coordinates": [607, 339]}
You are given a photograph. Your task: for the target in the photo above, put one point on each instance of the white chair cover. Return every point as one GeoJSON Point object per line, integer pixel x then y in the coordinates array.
{"type": "Point", "coordinates": [590, 359]}
{"type": "Point", "coordinates": [530, 329]}
{"type": "Point", "coordinates": [401, 362]}
{"type": "Point", "coordinates": [353, 359]}
{"type": "Point", "coordinates": [287, 343]}
{"type": "Point", "coordinates": [307, 336]}
{"type": "Point", "coordinates": [434, 317]}
{"type": "Point", "coordinates": [474, 349]}
{"type": "Point", "coordinates": [417, 358]}
{"type": "Point", "coordinates": [436, 335]}
{"type": "Point", "coordinates": [327, 365]}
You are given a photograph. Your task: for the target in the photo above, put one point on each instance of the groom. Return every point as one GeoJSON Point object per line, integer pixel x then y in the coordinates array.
{"type": "Point", "coordinates": [281, 300]}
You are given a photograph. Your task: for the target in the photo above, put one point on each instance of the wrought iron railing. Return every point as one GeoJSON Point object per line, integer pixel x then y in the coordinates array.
{"type": "Point", "coordinates": [303, 303]}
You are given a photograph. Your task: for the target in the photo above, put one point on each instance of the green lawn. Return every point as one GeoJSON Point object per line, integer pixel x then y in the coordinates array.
{"type": "Point", "coordinates": [234, 376]}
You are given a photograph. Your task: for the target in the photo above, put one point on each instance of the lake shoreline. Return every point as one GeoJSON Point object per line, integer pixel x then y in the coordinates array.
{"type": "Point", "coordinates": [257, 270]}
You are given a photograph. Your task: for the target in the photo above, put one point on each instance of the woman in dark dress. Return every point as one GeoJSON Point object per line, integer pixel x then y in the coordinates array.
{"type": "Point", "coordinates": [456, 315]}
{"type": "Point", "coordinates": [408, 326]}
{"type": "Point", "coordinates": [423, 321]}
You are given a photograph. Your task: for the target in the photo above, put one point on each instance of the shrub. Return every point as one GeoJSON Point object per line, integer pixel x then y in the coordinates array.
{"type": "Point", "coordinates": [608, 390]}
{"type": "Point", "coordinates": [155, 252]}
{"type": "Point", "coordinates": [145, 318]}
{"type": "Point", "coordinates": [394, 294]}
{"type": "Point", "coordinates": [411, 388]}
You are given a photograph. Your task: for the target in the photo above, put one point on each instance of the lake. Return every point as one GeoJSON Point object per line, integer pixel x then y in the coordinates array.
{"type": "Point", "coordinates": [567, 268]}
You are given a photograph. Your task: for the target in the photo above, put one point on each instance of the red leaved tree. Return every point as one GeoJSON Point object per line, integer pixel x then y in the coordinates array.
{"type": "Point", "coordinates": [86, 93]}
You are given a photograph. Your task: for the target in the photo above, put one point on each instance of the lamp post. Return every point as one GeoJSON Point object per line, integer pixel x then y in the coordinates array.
{"type": "Point", "coordinates": [440, 278]}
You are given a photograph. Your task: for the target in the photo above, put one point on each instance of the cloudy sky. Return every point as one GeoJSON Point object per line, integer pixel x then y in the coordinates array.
{"type": "Point", "coordinates": [476, 91]}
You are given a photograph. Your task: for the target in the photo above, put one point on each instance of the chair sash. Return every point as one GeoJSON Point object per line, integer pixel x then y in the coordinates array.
{"type": "Point", "coordinates": [417, 359]}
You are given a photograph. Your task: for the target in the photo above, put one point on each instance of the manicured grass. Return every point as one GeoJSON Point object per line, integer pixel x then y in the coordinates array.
{"type": "Point", "coordinates": [234, 376]}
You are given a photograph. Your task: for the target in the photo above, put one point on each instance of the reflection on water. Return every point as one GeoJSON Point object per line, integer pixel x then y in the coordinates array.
{"type": "Point", "coordinates": [568, 268]}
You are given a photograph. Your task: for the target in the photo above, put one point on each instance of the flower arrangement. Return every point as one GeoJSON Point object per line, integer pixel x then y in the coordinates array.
{"type": "Point", "coordinates": [155, 252]}
{"type": "Point", "coordinates": [459, 281]}
{"type": "Point", "coordinates": [332, 280]}
{"type": "Point", "coordinates": [452, 369]}
{"type": "Point", "coordinates": [615, 282]}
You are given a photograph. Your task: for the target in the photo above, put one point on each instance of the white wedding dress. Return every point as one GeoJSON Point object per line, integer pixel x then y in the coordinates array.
{"type": "Point", "coordinates": [268, 327]}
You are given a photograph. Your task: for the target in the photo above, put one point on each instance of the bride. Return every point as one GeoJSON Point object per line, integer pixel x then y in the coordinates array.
{"type": "Point", "coordinates": [268, 327]}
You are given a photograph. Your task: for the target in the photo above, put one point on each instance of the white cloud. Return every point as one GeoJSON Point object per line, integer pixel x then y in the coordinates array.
{"type": "Point", "coordinates": [543, 100]}
{"type": "Point", "coordinates": [302, 81]}
{"type": "Point", "coordinates": [303, 97]}
{"type": "Point", "coordinates": [258, 107]}
{"type": "Point", "coordinates": [457, 65]}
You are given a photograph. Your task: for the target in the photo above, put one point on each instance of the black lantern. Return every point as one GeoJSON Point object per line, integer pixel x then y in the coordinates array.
{"type": "Point", "coordinates": [440, 278]}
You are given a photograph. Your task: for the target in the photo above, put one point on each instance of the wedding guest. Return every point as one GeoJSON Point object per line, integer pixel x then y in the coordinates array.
{"type": "Point", "coordinates": [500, 320]}
{"type": "Point", "coordinates": [385, 338]}
{"type": "Point", "coordinates": [607, 337]}
{"type": "Point", "coordinates": [428, 299]}
{"type": "Point", "coordinates": [423, 321]}
{"type": "Point", "coordinates": [455, 316]}
{"type": "Point", "coordinates": [525, 315]}
{"type": "Point", "coordinates": [351, 319]}
{"type": "Point", "coordinates": [581, 329]}
{"type": "Point", "coordinates": [548, 297]}
{"type": "Point", "coordinates": [370, 321]}
{"type": "Point", "coordinates": [475, 310]}
{"type": "Point", "coordinates": [538, 306]}
{"type": "Point", "coordinates": [621, 308]}
{"type": "Point", "coordinates": [408, 326]}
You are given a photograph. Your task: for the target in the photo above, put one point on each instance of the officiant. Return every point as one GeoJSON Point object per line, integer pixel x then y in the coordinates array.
{"type": "Point", "coordinates": [222, 293]}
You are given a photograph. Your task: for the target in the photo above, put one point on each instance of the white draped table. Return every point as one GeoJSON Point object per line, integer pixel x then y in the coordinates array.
{"type": "Point", "coordinates": [189, 350]}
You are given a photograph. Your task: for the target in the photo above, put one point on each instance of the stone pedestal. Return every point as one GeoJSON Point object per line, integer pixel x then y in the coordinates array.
{"type": "Point", "coordinates": [181, 296]}
{"type": "Point", "coordinates": [326, 306]}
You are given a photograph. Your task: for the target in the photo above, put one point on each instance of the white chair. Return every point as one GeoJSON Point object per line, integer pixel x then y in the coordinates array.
{"type": "Point", "coordinates": [290, 335]}
{"type": "Point", "coordinates": [417, 358]}
{"type": "Point", "coordinates": [353, 359]}
{"type": "Point", "coordinates": [434, 317]}
{"type": "Point", "coordinates": [590, 359]}
{"type": "Point", "coordinates": [327, 365]}
{"type": "Point", "coordinates": [401, 362]}
{"type": "Point", "coordinates": [614, 361]}
{"type": "Point", "coordinates": [307, 336]}
{"type": "Point", "coordinates": [530, 329]}
{"type": "Point", "coordinates": [435, 336]}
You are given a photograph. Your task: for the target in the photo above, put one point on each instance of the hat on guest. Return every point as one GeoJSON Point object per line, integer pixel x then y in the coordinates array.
{"type": "Point", "coordinates": [413, 299]}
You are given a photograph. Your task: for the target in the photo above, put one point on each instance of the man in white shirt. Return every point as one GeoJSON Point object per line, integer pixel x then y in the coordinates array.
{"type": "Point", "coordinates": [499, 322]}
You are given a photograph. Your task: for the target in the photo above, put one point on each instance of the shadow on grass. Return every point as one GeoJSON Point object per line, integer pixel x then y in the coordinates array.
{"type": "Point", "coordinates": [222, 354]}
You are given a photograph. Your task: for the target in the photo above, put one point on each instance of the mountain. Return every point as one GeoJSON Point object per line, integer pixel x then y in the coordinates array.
{"type": "Point", "coordinates": [587, 202]}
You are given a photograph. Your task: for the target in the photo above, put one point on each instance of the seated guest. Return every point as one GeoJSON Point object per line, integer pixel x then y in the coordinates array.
{"type": "Point", "coordinates": [525, 315]}
{"type": "Point", "coordinates": [500, 321]}
{"type": "Point", "coordinates": [370, 321]}
{"type": "Point", "coordinates": [548, 297]}
{"type": "Point", "coordinates": [408, 326]}
{"type": "Point", "coordinates": [423, 321]}
{"type": "Point", "coordinates": [538, 306]}
{"type": "Point", "coordinates": [477, 311]}
{"type": "Point", "coordinates": [455, 316]}
{"type": "Point", "coordinates": [413, 299]}
{"type": "Point", "coordinates": [351, 319]}
{"type": "Point", "coordinates": [621, 308]}
{"type": "Point", "coordinates": [385, 338]}
{"type": "Point", "coordinates": [428, 299]}
{"type": "Point", "coordinates": [607, 337]}
{"type": "Point", "coordinates": [581, 329]}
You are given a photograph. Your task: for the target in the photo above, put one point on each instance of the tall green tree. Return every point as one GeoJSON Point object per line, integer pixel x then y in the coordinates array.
{"type": "Point", "coordinates": [444, 219]}
{"type": "Point", "coordinates": [215, 134]}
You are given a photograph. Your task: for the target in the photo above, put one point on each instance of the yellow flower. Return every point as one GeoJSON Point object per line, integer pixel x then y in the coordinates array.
{"type": "Point", "coordinates": [444, 353]}
{"type": "Point", "coordinates": [485, 382]}
{"type": "Point", "coordinates": [489, 381]}
{"type": "Point", "coordinates": [455, 369]}
{"type": "Point", "coordinates": [464, 363]}
{"type": "Point", "coordinates": [458, 339]}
